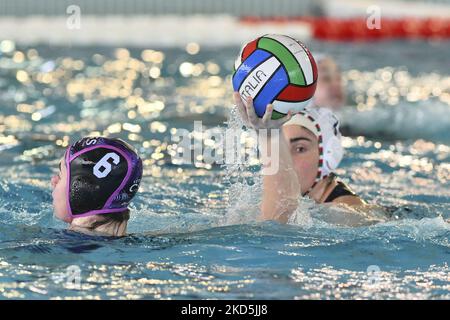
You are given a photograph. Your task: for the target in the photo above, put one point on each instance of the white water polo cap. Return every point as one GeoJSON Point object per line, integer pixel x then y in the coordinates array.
{"type": "Point", "coordinates": [324, 124]}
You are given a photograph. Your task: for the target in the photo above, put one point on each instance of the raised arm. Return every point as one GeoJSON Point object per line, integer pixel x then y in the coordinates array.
{"type": "Point", "coordinates": [281, 188]}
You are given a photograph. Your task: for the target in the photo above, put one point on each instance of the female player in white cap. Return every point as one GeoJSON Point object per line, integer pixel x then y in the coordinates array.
{"type": "Point", "coordinates": [310, 150]}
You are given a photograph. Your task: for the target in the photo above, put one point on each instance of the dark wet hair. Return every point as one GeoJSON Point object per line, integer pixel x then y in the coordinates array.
{"type": "Point", "coordinates": [109, 218]}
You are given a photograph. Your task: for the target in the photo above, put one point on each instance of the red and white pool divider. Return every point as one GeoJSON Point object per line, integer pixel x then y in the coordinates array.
{"type": "Point", "coordinates": [348, 29]}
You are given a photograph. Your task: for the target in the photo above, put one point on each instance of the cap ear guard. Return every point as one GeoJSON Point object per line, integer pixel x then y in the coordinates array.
{"type": "Point", "coordinates": [83, 194]}
{"type": "Point", "coordinates": [333, 153]}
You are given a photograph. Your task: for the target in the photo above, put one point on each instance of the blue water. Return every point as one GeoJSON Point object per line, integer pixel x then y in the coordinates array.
{"type": "Point", "coordinates": [192, 228]}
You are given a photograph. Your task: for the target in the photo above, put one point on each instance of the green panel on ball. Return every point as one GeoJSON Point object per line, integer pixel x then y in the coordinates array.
{"type": "Point", "coordinates": [277, 115]}
{"type": "Point", "coordinates": [287, 59]}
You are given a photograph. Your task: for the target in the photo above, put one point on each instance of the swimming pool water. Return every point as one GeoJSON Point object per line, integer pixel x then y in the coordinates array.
{"type": "Point", "coordinates": [192, 229]}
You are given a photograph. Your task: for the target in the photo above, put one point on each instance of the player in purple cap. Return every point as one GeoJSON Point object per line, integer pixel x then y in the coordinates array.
{"type": "Point", "coordinates": [98, 178]}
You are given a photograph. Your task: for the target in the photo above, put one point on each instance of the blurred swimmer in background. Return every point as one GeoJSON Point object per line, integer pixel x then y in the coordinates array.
{"type": "Point", "coordinates": [330, 91]}
{"type": "Point", "coordinates": [98, 178]}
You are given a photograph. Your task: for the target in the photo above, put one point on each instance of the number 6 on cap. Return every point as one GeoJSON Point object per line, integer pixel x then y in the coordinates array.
{"type": "Point", "coordinates": [103, 167]}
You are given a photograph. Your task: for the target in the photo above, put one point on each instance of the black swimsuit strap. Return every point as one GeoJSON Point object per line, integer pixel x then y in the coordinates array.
{"type": "Point", "coordinates": [340, 190]}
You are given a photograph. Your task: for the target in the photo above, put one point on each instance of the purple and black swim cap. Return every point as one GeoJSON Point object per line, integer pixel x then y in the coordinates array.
{"type": "Point", "coordinates": [103, 175]}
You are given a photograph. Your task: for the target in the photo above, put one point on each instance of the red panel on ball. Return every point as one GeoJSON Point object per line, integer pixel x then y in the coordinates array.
{"type": "Point", "coordinates": [249, 48]}
{"type": "Point", "coordinates": [294, 93]}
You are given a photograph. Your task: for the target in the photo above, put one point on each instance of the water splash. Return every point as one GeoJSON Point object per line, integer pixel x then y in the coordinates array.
{"type": "Point", "coordinates": [244, 185]}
